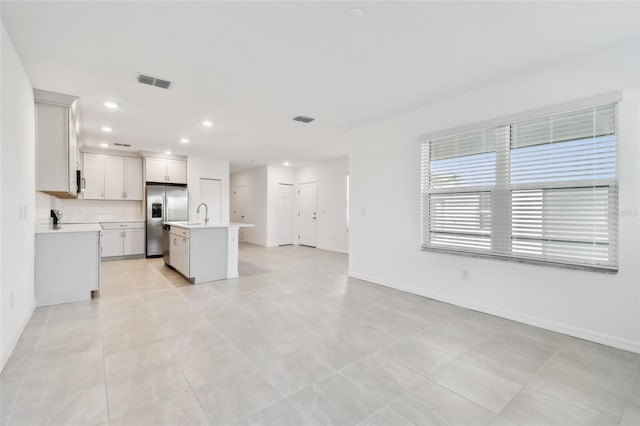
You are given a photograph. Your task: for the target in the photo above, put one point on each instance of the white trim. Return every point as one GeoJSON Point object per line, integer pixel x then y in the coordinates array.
{"type": "Point", "coordinates": [12, 346]}
{"type": "Point", "coordinates": [581, 333]}
{"type": "Point", "coordinates": [602, 99]}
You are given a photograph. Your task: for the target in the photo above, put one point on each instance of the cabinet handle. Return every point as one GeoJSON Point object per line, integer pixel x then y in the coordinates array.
{"type": "Point", "coordinates": [175, 241]}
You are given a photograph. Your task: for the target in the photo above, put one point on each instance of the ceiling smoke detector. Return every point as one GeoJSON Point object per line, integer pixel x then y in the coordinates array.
{"type": "Point", "coordinates": [303, 119]}
{"type": "Point", "coordinates": [153, 81]}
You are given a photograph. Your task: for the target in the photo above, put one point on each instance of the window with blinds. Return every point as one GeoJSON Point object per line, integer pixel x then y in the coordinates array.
{"type": "Point", "coordinates": [540, 190]}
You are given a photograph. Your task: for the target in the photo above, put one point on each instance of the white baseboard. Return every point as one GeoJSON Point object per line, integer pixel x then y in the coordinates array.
{"type": "Point", "coordinates": [6, 355]}
{"type": "Point", "coordinates": [582, 333]}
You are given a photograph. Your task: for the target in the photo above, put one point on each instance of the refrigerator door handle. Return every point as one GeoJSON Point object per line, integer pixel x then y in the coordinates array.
{"type": "Point", "coordinates": [164, 211]}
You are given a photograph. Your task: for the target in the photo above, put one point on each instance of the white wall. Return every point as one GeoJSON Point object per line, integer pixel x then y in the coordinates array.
{"type": "Point", "coordinates": [255, 182]}
{"type": "Point", "coordinates": [209, 168]}
{"type": "Point", "coordinates": [275, 176]}
{"type": "Point", "coordinates": [385, 183]}
{"type": "Point", "coordinates": [17, 199]}
{"type": "Point", "coordinates": [331, 177]}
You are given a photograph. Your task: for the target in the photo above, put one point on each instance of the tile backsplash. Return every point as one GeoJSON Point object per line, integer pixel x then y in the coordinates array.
{"type": "Point", "coordinates": [87, 210]}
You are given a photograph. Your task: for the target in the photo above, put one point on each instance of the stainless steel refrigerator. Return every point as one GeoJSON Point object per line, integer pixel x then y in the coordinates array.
{"type": "Point", "coordinates": [164, 203]}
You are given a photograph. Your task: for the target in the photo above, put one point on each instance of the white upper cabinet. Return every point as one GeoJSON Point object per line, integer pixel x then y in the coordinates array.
{"type": "Point", "coordinates": [166, 171]}
{"type": "Point", "coordinates": [156, 169]}
{"type": "Point", "coordinates": [56, 144]}
{"type": "Point", "coordinates": [93, 175]}
{"type": "Point", "coordinates": [177, 171]}
{"type": "Point", "coordinates": [133, 185]}
{"type": "Point", "coordinates": [112, 177]}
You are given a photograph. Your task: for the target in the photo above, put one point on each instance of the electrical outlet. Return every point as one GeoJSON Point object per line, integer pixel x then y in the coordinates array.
{"type": "Point", "coordinates": [464, 274]}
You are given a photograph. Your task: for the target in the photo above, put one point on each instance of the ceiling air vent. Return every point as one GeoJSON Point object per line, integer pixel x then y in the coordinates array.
{"type": "Point", "coordinates": [303, 119]}
{"type": "Point", "coordinates": [125, 145]}
{"type": "Point", "coordinates": [164, 84]}
{"type": "Point", "coordinates": [152, 81]}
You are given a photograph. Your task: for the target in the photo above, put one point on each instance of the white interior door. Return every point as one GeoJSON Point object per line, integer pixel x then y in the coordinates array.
{"type": "Point", "coordinates": [285, 214]}
{"type": "Point", "coordinates": [238, 207]}
{"type": "Point", "coordinates": [308, 213]}
{"type": "Point", "coordinates": [211, 195]}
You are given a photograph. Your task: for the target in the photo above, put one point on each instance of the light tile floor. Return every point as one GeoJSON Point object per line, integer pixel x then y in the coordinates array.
{"type": "Point", "coordinates": [295, 342]}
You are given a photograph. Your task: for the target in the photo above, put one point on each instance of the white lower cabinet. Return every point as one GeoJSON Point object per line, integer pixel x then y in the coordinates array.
{"type": "Point", "coordinates": [111, 243]}
{"type": "Point", "coordinates": [122, 239]}
{"type": "Point", "coordinates": [179, 253]}
{"type": "Point", "coordinates": [133, 242]}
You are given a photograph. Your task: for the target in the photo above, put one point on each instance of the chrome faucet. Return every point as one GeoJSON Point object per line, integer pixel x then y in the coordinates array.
{"type": "Point", "coordinates": [206, 212]}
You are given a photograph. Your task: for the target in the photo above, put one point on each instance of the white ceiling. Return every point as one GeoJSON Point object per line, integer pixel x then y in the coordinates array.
{"type": "Point", "coordinates": [251, 67]}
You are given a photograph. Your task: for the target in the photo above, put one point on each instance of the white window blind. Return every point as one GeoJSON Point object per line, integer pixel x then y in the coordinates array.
{"type": "Point", "coordinates": [541, 190]}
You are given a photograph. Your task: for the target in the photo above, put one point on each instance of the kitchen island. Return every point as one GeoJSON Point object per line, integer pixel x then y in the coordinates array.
{"type": "Point", "coordinates": [202, 252]}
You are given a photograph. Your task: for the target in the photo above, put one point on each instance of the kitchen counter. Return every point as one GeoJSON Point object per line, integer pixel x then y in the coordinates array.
{"type": "Point", "coordinates": [68, 227]}
{"type": "Point", "coordinates": [198, 225]}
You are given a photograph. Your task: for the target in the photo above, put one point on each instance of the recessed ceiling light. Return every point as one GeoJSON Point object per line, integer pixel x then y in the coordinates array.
{"type": "Point", "coordinates": [354, 15]}
{"type": "Point", "coordinates": [184, 140]}
{"type": "Point", "coordinates": [106, 129]}
{"type": "Point", "coordinates": [286, 163]}
{"type": "Point", "coordinates": [207, 123]}
{"type": "Point", "coordinates": [111, 105]}
{"type": "Point", "coordinates": [168, 152]}
{"type": "Point", "coordinates": [104, 145]}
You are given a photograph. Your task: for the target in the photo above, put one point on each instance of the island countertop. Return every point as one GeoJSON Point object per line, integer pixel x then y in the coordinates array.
{"type": "Point", "coordinates": [199, 225]}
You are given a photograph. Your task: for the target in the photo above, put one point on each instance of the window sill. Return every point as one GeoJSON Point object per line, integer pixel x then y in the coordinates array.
{"type": "Point", "coordinates": [521, 260]}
